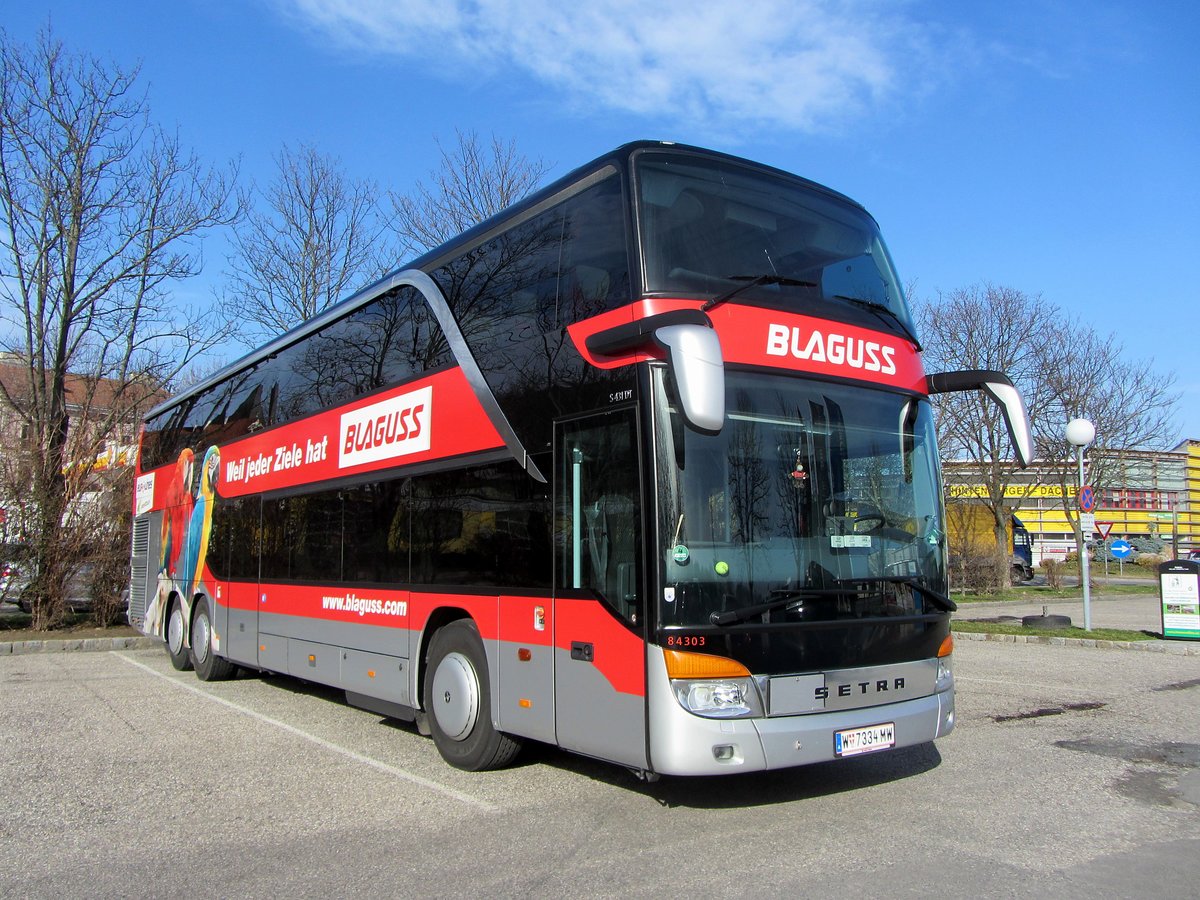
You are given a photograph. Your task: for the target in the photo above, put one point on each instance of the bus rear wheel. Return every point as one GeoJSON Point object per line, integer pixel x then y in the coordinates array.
{"type": "Point", "coordinates": [457, 700]}
{"type": "Point", "coordinates": [209, 666]}
{"type": "Point", "coordinates": [176, 649]}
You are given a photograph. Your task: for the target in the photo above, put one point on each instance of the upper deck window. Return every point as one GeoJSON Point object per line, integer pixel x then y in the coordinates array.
{"type": "Point", "coordinates": [710, 226]}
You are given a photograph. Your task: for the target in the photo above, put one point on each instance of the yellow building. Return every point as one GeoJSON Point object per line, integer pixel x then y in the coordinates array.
{"type": "Point", "coordinates": [1152, 495]}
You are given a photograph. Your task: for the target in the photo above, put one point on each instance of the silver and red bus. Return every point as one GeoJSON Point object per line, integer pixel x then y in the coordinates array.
{"type": "Point", "coordinates": [644, 467]}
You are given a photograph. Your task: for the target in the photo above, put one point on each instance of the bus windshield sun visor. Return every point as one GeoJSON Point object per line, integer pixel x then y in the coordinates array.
{"type": "Point", "coordinates": [693, 353]}
{"type": "Point", "coordinates": [1000, 388]}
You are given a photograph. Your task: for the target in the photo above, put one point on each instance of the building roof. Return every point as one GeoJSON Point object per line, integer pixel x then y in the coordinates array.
{"type": "Point", "coordinates": [80, 389]}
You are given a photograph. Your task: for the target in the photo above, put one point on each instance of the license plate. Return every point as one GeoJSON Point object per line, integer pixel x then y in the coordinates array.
{"type": "Point", "coordinates": [864, 740]}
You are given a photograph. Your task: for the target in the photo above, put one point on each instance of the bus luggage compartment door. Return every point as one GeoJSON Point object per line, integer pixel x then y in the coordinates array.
{"type": "Point", "coordinates": [242, 642]}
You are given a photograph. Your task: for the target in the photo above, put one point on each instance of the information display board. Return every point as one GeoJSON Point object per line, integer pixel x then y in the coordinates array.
{"type": "Point", "coordinates": [1179, 594]}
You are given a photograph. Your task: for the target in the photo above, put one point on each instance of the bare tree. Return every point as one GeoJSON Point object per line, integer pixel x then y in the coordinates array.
{"type": "Point", "coordinates": [100, 216]}
{"type": "Point", "coordinates": [317, 238]}
{"type": "Point", "coordinates": [1087, 376]}
{"type": "Point", "coordinates": [987, 326]}
{"type": "Point", "coordinates": [474, 182]}
{"type": "Point", "coordinates": [1063, 368]}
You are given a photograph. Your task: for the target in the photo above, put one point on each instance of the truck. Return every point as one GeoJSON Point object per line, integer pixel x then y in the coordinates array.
{"type": "Point", "coordinates": [971, 535]}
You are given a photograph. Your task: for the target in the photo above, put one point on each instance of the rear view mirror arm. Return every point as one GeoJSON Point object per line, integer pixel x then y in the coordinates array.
{"type": "Point", "coordinates": [693, 353]}
{"type": "Point", "coordinates": [1000, 388]}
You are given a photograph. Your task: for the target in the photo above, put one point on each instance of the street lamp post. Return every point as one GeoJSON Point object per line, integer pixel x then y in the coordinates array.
{"type": "Point", "coordinates": [1080, 433]}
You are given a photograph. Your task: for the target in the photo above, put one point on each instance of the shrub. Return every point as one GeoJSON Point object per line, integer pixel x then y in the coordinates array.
{"type": "Point", "coordinates": [977, 574]}
{"type": "Point", "coordinates": [1053, 569]}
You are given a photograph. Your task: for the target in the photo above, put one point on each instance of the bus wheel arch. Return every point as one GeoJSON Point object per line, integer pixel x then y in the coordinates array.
{"type": "Point", "coordinates": [176, 632]}
{"type": "Point", "coordinates": [456, 699]}
{"type": "Point", "coordinates": [208, 666]}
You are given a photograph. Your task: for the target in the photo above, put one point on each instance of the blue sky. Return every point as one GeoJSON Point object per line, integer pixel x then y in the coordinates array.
{"type": "Point", "coordinates": [1047, 145]}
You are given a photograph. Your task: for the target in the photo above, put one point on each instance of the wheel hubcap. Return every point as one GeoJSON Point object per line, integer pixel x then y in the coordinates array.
{"type": "Point", "coordinates": [456, 689]}
{"type": "Point", "coordinates": [200, 637]}
{"type": "Point", "coordinates": [175, 631]}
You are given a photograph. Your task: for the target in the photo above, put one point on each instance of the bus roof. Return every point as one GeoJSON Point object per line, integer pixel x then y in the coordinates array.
{"type": "Point", "coordinates": [617, 160]}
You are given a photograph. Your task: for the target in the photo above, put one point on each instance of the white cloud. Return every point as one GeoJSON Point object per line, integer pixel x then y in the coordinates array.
{"type": "Point", "coordinates": [800, 65]}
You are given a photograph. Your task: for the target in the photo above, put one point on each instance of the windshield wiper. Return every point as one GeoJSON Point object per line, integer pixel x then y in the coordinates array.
{"type": "Point", "coordinates": [939, 600]}
{"type": "Point", "coordinates": [882, 311]}
{"type": "Point", "coordinates": [753, 281]}
{"type": "Point", "coordinates": [783, 597]}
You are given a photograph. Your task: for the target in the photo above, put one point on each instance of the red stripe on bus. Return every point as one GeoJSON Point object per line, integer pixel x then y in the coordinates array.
{"type": "Point", "coordinates": [769, 338]}
{"type": "Point", "coordinates": [618, 654]}
{"type": "Point", "coordinates": [395, 608]}
{"type": "Point", "coordinates": [438, 417]}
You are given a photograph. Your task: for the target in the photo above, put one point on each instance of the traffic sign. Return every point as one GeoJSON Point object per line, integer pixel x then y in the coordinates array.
{"type": "Point", "coordinates": [1121, 549]}
{"type": "Point", "coordinates": [1087, 524]}
{"type": "Point", "coordinates": [1105, 529]}
{"type": "Point", "coordinates": [1087, 499]}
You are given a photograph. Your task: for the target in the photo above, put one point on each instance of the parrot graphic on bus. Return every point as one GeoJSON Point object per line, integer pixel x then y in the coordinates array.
{"type": "Point", "coordinates": [177, 513]}
{"type": "Point", "coordinates": [185, 533]}
{"type": "Point", "coordinates": [195, 547]}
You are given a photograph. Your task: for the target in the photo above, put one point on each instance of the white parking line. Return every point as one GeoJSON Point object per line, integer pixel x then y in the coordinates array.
{"type": "Point", "coordinates": [320, 742]}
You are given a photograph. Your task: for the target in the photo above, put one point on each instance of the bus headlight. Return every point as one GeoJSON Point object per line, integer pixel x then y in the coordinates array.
{"type": "Point", "coordinates": [945, 670]}
{"type": "Point", "coordinates": [718, 699]}
{"type": "Point", "coordinates": [945, 674]}
{"type": "Point", "coordinates": [712, 686]}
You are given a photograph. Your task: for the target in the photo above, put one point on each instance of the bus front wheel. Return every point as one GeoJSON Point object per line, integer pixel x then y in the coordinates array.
{"type": "Point", "coordinates": [457, 699]}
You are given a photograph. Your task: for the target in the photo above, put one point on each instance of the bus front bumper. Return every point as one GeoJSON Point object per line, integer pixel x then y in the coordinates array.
{"type": "Point", "coordinates": [685, 744]}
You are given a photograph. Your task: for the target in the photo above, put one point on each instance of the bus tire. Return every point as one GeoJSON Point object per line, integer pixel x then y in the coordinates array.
{"type": "Point", "coordinates": [181, 658]}
{"type": "Point", "coordinates": [457, 698]}
{"type": "Point", "coordinates": [209, 666]}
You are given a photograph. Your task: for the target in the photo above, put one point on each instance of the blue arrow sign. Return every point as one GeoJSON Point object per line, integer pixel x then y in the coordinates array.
{"type": "Point", "coordinates": [1121, 549]}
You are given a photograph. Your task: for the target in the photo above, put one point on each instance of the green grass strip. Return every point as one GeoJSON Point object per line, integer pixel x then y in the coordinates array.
{"type": "Point", "coordinates": [1034, 593]}
{"type": "Point", "coordinates": [1096, 634]}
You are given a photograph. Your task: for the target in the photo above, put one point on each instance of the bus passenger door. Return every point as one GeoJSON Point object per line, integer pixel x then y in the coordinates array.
{"type": "Point", "coordinates": [600, 655]}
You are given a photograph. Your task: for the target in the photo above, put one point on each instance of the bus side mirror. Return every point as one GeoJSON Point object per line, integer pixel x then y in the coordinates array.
{"type": "Point", "coordinates": [693, 353]}
{"type": "Point", "coordinates": [1000, 388]}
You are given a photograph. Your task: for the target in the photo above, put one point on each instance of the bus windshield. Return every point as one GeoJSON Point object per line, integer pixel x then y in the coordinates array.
{"type": "Point", "coordinates": [710, 227]}
{"type": "Point", "coordinates": [818, 500]}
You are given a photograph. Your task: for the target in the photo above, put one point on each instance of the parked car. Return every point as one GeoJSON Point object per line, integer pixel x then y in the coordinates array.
{"type": "Point", "coordinates": [79, 596]}
{"type": "Point", "coordinates": [12, 583]}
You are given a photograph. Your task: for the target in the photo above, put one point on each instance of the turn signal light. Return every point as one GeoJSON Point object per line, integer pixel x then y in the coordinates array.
{"type": "Point", "coordinates": [702, 665]}
{"type": "Point", "coordinates": [947, 646]}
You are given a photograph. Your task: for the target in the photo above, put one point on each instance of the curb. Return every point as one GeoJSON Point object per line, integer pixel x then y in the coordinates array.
{"type": "Point", "coordinates": [92, 645]}
{"type": "Point", "coordinates": [1171, 648]}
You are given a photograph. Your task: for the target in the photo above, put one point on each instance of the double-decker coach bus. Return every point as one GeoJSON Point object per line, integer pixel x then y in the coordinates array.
{"type": "Point", "coordinates": [643, 467]}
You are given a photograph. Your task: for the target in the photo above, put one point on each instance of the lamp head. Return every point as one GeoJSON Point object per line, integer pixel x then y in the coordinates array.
{"type": "Point", "coordinates": [1080, 432]}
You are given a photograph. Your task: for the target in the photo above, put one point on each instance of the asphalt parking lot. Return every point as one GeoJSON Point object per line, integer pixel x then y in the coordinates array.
{"type": "Point", "coordinates": [1073, 771]}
